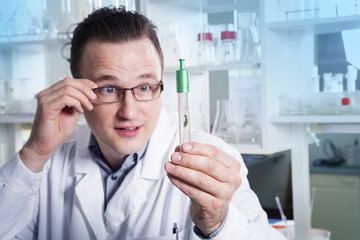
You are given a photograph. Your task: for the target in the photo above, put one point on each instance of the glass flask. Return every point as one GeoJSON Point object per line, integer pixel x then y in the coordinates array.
{"type": "Point", "coordinates": [250, 130]}
{"type": "Point", "coordinates": [22, 25]}
{"type": "Point", "coordinates": [197, 116]}
{"type": "Point", "coordinates": [228, 44]}
{"type": "Point", "coordinates": [173, 50]}
{"type": "Point", "coordinates": [248, 40]}
{"type": "Point", "coordinates": [225, 124]}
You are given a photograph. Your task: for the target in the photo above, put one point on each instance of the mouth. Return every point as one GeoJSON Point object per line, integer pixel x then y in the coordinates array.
{"type": "Point", "coordinates": [127, 128]}
{"type": "Point", "coordinates": [128, 131]}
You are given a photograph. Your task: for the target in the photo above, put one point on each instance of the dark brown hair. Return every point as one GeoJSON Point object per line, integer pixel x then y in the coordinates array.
{"type": "Point", "coordinates": [111, 25]}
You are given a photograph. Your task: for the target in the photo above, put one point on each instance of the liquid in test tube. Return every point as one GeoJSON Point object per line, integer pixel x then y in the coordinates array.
{"type": "Point", "coordinates": [182, 87]}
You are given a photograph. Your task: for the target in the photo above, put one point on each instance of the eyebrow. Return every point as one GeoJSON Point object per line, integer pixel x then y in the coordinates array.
{"type": "Point", "coordinates": [140, 77]}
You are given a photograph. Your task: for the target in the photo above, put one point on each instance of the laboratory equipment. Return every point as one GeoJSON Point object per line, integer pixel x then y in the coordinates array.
{"type": "Point", "coordinates": [247, 36]}
{"type": "Point", "coordinates": [182, 87]}
{"type": "Point", "coordinates": [228, 44]}
{"type": "Point", "coordinates": [225, 123]}
{"type": "Point", "coordinates": [315, 80]}
{"type": "Point", "coordinates": [22, 25]}
{"type": "Point", "coordinates": [47, 27]}
{"type": "Point", "coordinates": [66, 19]}
{"type": "Point", "coordinates": [197, 116]}
{"type": "Point", "coordinates": [172, 46]}
{"type": "Point", "coordinates": [351, 77]}
{"type": "Point", "coordinates": [205, 48]}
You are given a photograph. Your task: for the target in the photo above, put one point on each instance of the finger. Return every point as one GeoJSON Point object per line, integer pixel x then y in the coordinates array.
{"type": "Point", "coordinates": [191, 179]}
{"type": "Point", "coordinates": [186, 187]}
{"type": "Point", "coordinates": [58, 104]}
{"type": "Point", "coordinates": [203, 164]}
{"type": "Point", "coordinates": [212, 152]}
{"type": "Point", "coordinates": [82, 85]}
{"type": "Point", "coordinates": [60, 91]}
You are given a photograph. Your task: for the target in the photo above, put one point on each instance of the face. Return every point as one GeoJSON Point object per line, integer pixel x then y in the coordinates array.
{"type": "Point", "coordinates": [123, 127]}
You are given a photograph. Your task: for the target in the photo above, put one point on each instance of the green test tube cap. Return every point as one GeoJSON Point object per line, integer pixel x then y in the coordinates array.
{"type": "Point", "coordinates": [182, 78]}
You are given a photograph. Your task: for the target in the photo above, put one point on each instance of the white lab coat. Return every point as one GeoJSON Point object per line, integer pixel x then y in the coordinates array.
{"type": "Point", "coordinates": [66, 199]}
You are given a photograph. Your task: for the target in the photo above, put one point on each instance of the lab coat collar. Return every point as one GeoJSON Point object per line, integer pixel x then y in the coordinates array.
{"type": "Point", "coordinates": [160, 148]}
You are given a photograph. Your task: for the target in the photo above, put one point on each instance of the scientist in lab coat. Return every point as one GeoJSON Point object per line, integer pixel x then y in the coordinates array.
{"type": "Point", "coordinates": [122, 176]}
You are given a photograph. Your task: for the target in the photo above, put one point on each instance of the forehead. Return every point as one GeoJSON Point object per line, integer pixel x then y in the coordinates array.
{"type": "Point", "coordinates": [124, 57]}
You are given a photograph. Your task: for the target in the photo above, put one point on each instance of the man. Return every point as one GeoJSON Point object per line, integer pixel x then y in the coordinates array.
{"type": "Point", "coordinates": [112, 179]}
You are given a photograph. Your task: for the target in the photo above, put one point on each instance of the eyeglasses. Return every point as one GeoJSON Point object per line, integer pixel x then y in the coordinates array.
{"type": "Point", "coordinates": [141, 93]}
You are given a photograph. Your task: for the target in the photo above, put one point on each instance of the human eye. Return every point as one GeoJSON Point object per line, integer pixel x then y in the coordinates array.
{"type": "Point", "coordinates": [107, 90]}
{"type": "Point", "coordinates": [143, 88]}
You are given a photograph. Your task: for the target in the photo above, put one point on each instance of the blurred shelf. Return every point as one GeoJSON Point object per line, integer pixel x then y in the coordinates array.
{"type": "Point", "coordinates": [17, 118]}
{"type": "Point", "coordinates": [32, 40]}
{"type": "Point", "coordinates": [318, 25]}
{"type": "Point", "coordinates": [213, 67]}
{"type": "Point", "coordinates": [317, 119]}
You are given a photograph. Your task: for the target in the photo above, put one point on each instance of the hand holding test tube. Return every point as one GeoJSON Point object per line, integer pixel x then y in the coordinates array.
{"type": "Point", "coordinates": [182, 87]}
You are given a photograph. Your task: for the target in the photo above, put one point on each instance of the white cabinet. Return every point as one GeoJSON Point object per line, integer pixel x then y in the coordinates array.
{"type": "Point", "coordinates": [336, 205]}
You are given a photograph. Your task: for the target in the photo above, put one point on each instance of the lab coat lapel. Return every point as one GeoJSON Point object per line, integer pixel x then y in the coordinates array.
{"type": "Point", "coordinates": [89, 189]}
{"type": "Point", "coordinates": [133, 192]}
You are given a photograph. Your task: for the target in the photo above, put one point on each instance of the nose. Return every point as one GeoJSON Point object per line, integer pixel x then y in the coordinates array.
{"type": "Point", "coordinates": [128, 106]}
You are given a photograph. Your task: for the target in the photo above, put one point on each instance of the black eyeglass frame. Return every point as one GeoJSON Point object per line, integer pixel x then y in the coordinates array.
{"type": "Point", "coordinates": [122, 92]}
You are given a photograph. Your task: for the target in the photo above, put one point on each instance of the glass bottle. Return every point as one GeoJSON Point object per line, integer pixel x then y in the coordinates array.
{"type": "Point", "coordinates": [205, 49]}
{"type": "Point", "coordinates": [224, 124]}
{"type": "Point", "coordinates": [228, 45]}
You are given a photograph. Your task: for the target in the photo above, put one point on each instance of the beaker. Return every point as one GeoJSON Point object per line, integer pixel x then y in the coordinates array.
{"type": "Point", "coordinates": [224, 124]}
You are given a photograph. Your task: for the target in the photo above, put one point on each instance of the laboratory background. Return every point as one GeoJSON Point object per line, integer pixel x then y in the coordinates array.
{"type": "Point", "coordinates": [277, 79]}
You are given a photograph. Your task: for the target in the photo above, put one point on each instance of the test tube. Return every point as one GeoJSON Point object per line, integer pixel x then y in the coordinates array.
{"type": "Point", "coordinates": [182, 87]}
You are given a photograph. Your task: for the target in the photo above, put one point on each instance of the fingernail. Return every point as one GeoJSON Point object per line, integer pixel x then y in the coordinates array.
{"type": "Point", "coordinates": [170, 166]}
{"type": "Point", "coordinates": [176, 157]}
{"type": "Point", "coordinates": [187, 146]}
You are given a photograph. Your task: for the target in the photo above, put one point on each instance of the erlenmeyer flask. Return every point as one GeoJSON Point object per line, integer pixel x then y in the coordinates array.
{"type": "Point", "coordinates": [224, 124]}
{"type": "Point", "coordinates": [172, 45]}
{"type": "Point", "coordinates": [22, 25]}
